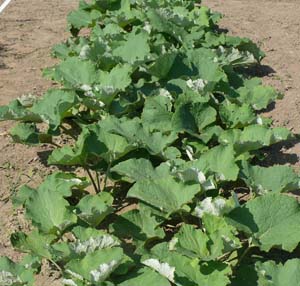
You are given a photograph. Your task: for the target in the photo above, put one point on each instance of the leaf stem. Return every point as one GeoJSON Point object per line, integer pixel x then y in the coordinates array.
{"type": "Point", "coordinates": [240, 258]}
{"type": "Point", "coordinates": [92, 180]}
{"type": "Point", "coordinates": [98, 181]}
{"type": "Point", "coordinates": [106, 175]}
{"type": "Point", "coordinates": [56, 265]}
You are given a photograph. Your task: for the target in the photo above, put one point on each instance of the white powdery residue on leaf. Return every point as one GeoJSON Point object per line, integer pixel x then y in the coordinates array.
{"type": "Point", "coordinates": [259, 121]}
{"type": "Point", "coordinates": [211, 207]}
{"type": "Point", "coordinates": [45, 119]}
{"type": "Point", "coordinates": [86, 87]}
{"type": "Point", "coordinates": [261, 190]}
{"type": "Point", "coordinates": [230, 242]}
{"type": "Point", "coordinates": [192, 175]}
{"type": "Point", "coordinates": [108, 89]}
{"type": "Point", "coordinates": [148, 27]}
{"type": "Point", "coordinates": [27, 100]}
{"type": "Point", "coordinates": [197, 84]}
{"type": "Point", "coordinates": [104, 270]}
{"type": "Point", "coordinates": [84, 53]}
{"type": "Point", "coordinates": [8, 279]}
{"type": "Point", "coordinates": [209, 185]}
{"type": "Point", "coordinates": [74, 274]}
{"type": "Point", "coordinates": [90, 245]}
{"type": "Point", "coordinates": [75, 181]}
{"type": "Point", "coordinates": [69, 282]}
{"type": "Point", "coordinates": [90, 93]}
{"type": "Point", "coordinates": [164, 92]}
{"type": "Point", "coordinates": [190, 153]}
{"type": "Point", "coordinates": [162, 268]}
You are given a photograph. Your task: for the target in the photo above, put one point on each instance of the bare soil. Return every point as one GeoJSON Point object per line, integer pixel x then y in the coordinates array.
{"type": "Point", "coordinates": [28, 30]}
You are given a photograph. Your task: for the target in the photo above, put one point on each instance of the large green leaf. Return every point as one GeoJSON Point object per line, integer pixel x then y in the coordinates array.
{"type": "Point", "coordinates": [138, 225]}
{"type": "Point", "coordinates": [271, 220]}
{"type": "Point", "coordinates": [157, 113]}
{"type": "Point", "coordinates": [15, 110]}
{"type": "Point", "coordinates": [62, 183]}
{"type": "Point", "coordinates": [95, 267]}
{"type": "Point", "coordinates": [236, 116]}
{"type": "Point", "coordinates": [270, 273]}
{"type": "Point", "coordinates": [254, 137]}
{"type": "Point", "coordinates": [35, 242]}
{"type": "Point", "coordinates": [133, 170]}
{"type": "Point", "coordinates": [164, 193]}
{"type": "Point", "coordinates": [275, 178]}
{"type": "Point", "coordinates": [134, 49]}
{"type": "Point", "coordinates": [28, 133]}
{"type": "Point", "coordinates": [224, 167]}
{"type": "Point", "coordinates": [193, 117]}
{"type": "Point", "coordinates": [258, 96]}
{"type": "Point", "coordinates": [75, 72]}
{"type": "Point", "coordinates": [95, 208]}
{"type": "Point", "coordinates": [48, 210]}
{"type": "Point", "coordinates": [144, 276]}
{"type": "Point", "coordinates": [183, 271]}
{"type": "Point", "coordinates": [55, 106]}
{"type": "Point", "coordinates": [112, 82]}
{"type": "Point", "coordinates": [219, 238]}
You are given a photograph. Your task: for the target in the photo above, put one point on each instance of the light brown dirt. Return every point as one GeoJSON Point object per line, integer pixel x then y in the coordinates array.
{"type": "Point", "coordinates": [29, 28]}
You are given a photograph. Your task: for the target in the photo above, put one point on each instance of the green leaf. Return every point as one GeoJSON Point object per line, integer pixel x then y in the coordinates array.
{"type": "Point", "coordinates": [35, 242]}
{"type": "Point", "coordinates": [62, 183]}
{"type": "Point", "coordinates": [235, 116]}
{"type": "Point", "coordinates": [144, 276]}
{"type": "Point", "coordinates": [271, 220]}
{"type": "Point", "coordinates": [137, 135]}
{"type": "Point", "coordinates": [164, 193]}
{"type": "Point", "coordinates": [193, 242]}
{"type": "Point", "coordinates": [75, 72]}
{"type": "Point", "coordinates": [183, 271]}
{"type": "Point", "coordinates": [134, 49]}
{"type": "Point", "coordinates": [28, 133]}
{"type": "Point", "coordinates": [110, 83]}
{"type": "Point", "coordinates": [225, 167]}
{"type": "Point", "coordinates": [96, 266]}
{"type": "Point", "coordinates": [133, 170]}
{"type": "Point", "coordinates": [270, 273]}
{"type": "Point", "coordinates": [193, 117]}
{"type": "Point", "coordinates": [157, 113]}
{"type": "Point", "coordinates": [138, 225]}
{"type": "Point", "coordinates": [219, 238]}
{"type": "Point", "coordinates": [93, 209]}
{"type": "Point", "coordinates": [254, 137]}
{"type": "Point", "coordinates": [49, 211]}
{"type": "Point", "coordinates": [80, 18]}
{"type": "Point", "coordinates": [258, 96]}
{"type": "Point", "coordinates": [54, 106]}
{"type": "Point", "coordinates": [275, 178]}
{"type": "Point", "coordinates": [17, 111]}
{"type": "Point", "coordinates": [15, 274]}
{"type": "Point", "coordinates": [162, 65]}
